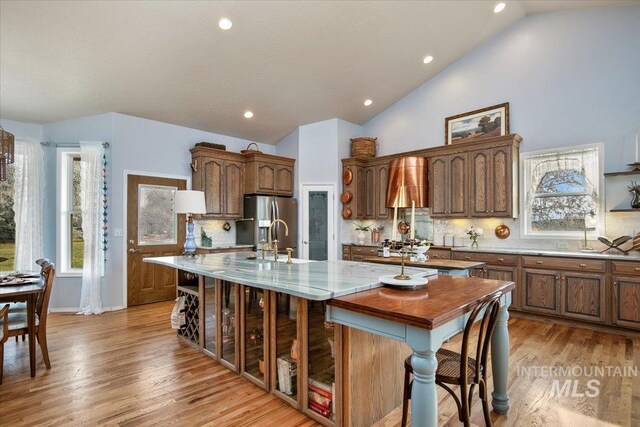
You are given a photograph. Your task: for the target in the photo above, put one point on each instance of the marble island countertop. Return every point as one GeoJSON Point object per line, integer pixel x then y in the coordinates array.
{"type": "Point", "coordinates": [224, 246]}
{"type": "Point", "coordinates": [314, 280]}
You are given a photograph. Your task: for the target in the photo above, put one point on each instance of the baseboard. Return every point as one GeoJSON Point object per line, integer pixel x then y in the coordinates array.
{"type": "Point", "coordinates": [76, 309]}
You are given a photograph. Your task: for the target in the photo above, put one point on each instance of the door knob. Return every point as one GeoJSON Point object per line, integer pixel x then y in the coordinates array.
{"type": "Point", "coordinates": [131, 242]}
{"type": "Point", "coordinates": [305, 242]}
{"type": "Point", "coordinates": [132, 251]}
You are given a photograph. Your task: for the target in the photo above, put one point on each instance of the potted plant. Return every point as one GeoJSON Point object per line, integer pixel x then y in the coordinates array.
{"type": "Point", "coordinates": [362, 232]}
{"type": "Point", "coordinates": [422, 246]}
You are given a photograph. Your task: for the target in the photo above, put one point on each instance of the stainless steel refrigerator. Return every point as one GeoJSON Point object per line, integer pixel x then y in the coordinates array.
{"type": "Point", "coordinates": [259, 212]}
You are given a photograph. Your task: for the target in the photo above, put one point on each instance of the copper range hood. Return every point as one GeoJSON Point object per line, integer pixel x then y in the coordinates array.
{"type": "Point", "coordinates": [407, 182]}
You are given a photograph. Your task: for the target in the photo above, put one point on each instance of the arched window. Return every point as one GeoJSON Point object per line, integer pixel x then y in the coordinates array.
{"type": "Point", "coordinates": [561, 187]}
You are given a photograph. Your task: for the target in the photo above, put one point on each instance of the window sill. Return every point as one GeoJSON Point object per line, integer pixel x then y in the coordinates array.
{"type": "Point", "coordinates": [69, 274]}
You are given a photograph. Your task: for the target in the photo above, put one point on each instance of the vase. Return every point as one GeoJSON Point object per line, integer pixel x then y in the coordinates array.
{"type": "Point", "coordinates": [362, 235]}
{"type": "Point", "coordinates": [635, 202]}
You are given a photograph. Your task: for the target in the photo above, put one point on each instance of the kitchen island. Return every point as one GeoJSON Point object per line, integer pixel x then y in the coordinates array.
{"type": "Point", "coordinates": [294, 330]}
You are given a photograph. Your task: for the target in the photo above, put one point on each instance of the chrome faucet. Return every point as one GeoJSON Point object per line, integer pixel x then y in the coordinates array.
{"type": "Point", "coordinates": [273, 245]}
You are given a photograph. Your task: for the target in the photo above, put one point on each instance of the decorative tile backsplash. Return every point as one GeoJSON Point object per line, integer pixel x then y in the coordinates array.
{"type": "Point", "coordinates": [617, 224]}
{"type": "Point", "coordinates": [214, 229]}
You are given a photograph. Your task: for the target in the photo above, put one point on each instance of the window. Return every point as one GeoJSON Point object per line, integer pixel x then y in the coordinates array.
{"type": "Point", "coordinates": [560, 188]}
{"type": "Point", "coordinates": [70, 241]}
{"type": "Point", "coordinates": [7, 224]}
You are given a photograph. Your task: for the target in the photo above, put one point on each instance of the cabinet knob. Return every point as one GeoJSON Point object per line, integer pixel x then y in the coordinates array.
{"type": "Point", "coordinates": [467, 257]}
{"type": "Point", "coordinates": [582, 265]}
{"type": "Point", "coordinates": [501, 259]}
{"type": "Point", "coordinates": [557, 277]}
{"type": "Point", "coordinates": [540, 262]}
{"type": "Point", "coordinates": [636, 269]}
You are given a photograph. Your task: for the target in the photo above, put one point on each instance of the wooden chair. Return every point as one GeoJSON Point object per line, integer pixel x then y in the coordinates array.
{"type": "Point", "coordinates": [18, 319]}
{"type": "Point", "coordinates": [460, 369]}
{"type": "Point", "coordinates": [4, 335]}
{"type": "Point", "coordinates": [17, 307]}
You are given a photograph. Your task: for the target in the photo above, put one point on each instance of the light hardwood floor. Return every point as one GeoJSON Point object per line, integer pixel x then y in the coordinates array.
{"type": "Point", "coordinates": [128, 368]}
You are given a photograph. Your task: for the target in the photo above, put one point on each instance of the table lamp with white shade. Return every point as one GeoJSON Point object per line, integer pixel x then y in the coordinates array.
{"type": "Point", "coordinates": [190, 202]}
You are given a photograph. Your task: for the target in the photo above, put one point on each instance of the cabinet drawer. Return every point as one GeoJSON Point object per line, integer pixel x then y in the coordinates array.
{"type": "Point", "coordinates": [439, 254]}
{"type": "Point", "coordinates": [489, 258]}
{"type": "Point", "coordinates": [346, 250]}
{"type": "Point", "coordinates": [575, 264]}
{"type": "Point", "coordinates": [625, 267]}
{"type": "Point", "coordinates": [364, 250]}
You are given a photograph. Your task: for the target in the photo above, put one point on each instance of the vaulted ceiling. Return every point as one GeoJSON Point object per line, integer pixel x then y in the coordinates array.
{"type": "Point", "coordinates": [290, 63]}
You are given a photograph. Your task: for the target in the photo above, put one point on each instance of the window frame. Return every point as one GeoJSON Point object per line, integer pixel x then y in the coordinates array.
{"type": "Point", "coordinates": [64, 210]}
{"type": "Point", "coordinates": [525, 182]}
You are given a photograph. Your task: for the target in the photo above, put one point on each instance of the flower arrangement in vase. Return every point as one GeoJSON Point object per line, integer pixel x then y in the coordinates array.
{"type": "Point", "coordinates": [362, 232]}
{"type": "Point", "coordinates": [422, 246]}
{"type": "Point", "coordinates": [474, 232]}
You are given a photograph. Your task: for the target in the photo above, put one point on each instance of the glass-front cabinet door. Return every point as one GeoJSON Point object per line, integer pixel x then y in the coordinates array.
{"type": "Point", "coordinates": [229, 342]}
{"type": "Point", "coordinates": [286, 346]}
{"type": "Point", "coordinates": [322, 353]}
{"type": "Point", "coordinates": [209, 336]}
{"type": "Point", "coordinates": [255, 321]}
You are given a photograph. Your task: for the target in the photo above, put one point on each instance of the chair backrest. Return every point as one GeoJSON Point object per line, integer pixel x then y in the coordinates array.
{"type": "Point", "coordinates": [491, 307]}
{"type": "Point", "coordinates": [41, 261]}
{"type": "Point", "coordinates": [48, 272]}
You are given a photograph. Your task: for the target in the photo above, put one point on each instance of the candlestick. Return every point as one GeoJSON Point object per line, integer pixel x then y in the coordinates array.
{"type": "Point", "coordinates": [413, 220]}
{"type": "Point", "coordinates": [394, 227]}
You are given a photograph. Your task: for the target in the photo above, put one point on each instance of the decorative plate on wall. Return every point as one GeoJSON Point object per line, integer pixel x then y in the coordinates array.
{"type": "Point", "coordinates": [347, 177]}
{"type": "Point", "coordinates": [346, 213]}
{"type": "Point", "coordinates": [346, 197]}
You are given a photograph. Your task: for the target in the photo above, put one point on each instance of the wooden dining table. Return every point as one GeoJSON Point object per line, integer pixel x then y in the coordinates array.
{"type": "Point", "coordinates": [27, 292]}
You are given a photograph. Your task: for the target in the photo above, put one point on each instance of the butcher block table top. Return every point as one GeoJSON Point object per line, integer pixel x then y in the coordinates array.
{"type": "Point", "coordinates": [444, 298]}
{"type": "Point", "coordinates": [444, 264]}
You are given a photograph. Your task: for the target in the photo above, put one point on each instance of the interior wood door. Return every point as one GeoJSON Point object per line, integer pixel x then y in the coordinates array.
{"type": "Point", "coordinates": [152, 230]}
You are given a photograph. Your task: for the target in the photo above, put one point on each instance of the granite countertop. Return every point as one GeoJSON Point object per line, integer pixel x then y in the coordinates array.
{"type": "Point", "coordinates": [549, 252]}
{"type": "Point", "coordinates": [314, 280]}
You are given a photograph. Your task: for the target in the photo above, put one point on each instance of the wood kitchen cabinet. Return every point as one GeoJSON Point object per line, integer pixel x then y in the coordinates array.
{"type": "Point", "coordinates": [583, 296]}
{"type": "Point", "coordinates": [541, 291]}
{"type": "Point", "coordinates": [491, 185]}
{"type": "Point", "coordinates": [220, 175]}
{"type": "Point", "coordinates": [368, 188]}
{"type": "Point", "coordinates": [380, 191]}
{"type": "Point", "coordinates": [448, 186]}
{"type": "Point", "coordinates": [625, 283]}
{"type": "Point", "coordinates": [370, 195]}
{"type": "Point", "coordinates": [255, 335]}
{"type": "Point", "coordinates": [268, 174]}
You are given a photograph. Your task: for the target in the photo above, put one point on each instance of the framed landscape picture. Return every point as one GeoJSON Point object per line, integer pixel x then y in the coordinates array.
{"type": "Point", "coordinates": [475, 125]}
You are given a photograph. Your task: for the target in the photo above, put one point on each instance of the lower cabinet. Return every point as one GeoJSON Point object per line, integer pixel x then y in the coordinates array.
{"type": "Point", "coordinates": [626, 301]}
{"type": "Point", "coordinates": [583, 296]}
{"type": "Point", "coordinates": [229, 315]}
{"type": "Point", "coordinates": [540, 291]}
{"type": "Point", "coordinates": [255, 335]}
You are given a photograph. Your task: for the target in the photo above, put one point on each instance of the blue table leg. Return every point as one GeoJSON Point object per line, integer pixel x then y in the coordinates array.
{"type": "Point", "coordinates": [424, 397]}
{"type": "Point", "coordinates": [500, 360]}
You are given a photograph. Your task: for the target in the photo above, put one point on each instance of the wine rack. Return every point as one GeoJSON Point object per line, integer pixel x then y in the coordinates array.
{"type": "Point", "coordinates": [191, 330]}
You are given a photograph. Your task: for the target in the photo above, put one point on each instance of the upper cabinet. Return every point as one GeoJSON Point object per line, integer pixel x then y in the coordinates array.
{"type": "Point", "coordinates": [476, 179]}
{"type": "Point", "coordinates": [225, 177]}
{"type": "Point", "coordinates": [220, 175]}
{"type": "Point", "coordinates": [468, 180]}
{"type": "Point", "coordinates": [266, 174]}
{"type": "Point", "coordinates": [367, 188]}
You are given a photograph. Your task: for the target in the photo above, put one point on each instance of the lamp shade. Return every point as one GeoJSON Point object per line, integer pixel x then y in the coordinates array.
{"type": "Point", "coordinates": [189, 201]}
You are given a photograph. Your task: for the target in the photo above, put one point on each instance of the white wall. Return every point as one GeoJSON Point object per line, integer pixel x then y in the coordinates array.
{"type": "Point", "coordinates": [571, 78]}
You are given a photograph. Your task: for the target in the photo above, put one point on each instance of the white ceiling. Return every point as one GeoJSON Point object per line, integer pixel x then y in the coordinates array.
{"type": "Point", "coordinates": [291, 63]}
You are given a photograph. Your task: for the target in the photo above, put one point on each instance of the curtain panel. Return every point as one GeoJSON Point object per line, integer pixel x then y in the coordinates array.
{"type": "Point", "coordinates": [28, 203]}
{"type": "Point", "coordinates": [91, 182]}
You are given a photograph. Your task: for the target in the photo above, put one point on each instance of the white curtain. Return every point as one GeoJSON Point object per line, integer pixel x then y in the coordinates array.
{"type": "Point", "coordinates": [91, 181]}
{"type": "Point", "coordinates": [28, 203]}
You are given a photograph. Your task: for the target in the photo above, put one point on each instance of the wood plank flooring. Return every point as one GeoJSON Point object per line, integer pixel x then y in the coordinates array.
{"type": "Point", "coordinates": [128, 368]}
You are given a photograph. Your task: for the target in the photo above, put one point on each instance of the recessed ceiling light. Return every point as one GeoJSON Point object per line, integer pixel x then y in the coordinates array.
{"type": "Point", "coordinates": [248, 114]}
{"type": "Point", "coordinates": [225, 23]}
{"type": "Point", "coordinates": [368, 102]}
{"type": "Point", "coordinates": [427, 59]}
{"type": "Point", "coordinates": [499, 8]}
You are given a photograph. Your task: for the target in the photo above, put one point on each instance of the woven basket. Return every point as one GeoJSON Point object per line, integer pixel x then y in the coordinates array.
{"type": "Point", "coordinates": [250, 150]}
{"type": "Point", "coordinates": [363, 147]}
